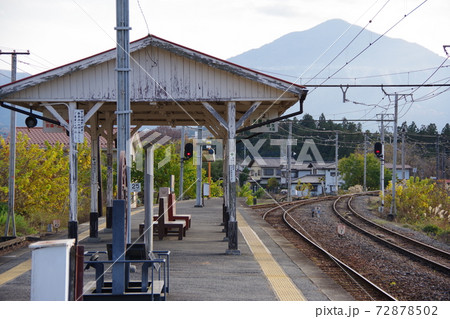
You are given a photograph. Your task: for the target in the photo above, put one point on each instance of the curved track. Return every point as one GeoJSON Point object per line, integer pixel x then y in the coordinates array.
{"type": "Point", "coordinates": [426, 254]}
{"type": "Point", "coordinates": [369, 288]}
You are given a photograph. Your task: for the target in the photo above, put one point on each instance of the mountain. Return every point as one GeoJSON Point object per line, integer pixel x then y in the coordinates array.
{"type": "Point", "coordinates": [5, 77]}
{"type": "Point", "coordinates": [300, 56]}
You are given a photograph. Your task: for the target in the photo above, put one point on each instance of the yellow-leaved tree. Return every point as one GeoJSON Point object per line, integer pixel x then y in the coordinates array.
{"type": "Point", "coordinates": [42, 181]}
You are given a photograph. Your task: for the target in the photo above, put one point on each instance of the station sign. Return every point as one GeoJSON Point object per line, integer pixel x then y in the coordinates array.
{"type": "Point", "coordinates": [135, 187]}
{"type": "Point", "coordinates": [78, 126]}
{"type": "Point", "coordinates": [260, 117]}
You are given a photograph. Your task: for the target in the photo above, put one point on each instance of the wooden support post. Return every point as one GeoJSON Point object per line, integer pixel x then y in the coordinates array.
{"type": "Point", "coordinates": [226, 199]}
{"type": "Point", "coordinates": [109, 169]}
{"type": "Point", "coordinates": [232, 223]}
{"type": "Point", "coordinates": [73, 177]}
{"type": "Point", "coordinates": [148, 196]}
{"type": "Point", "coordinates": [93, 220]}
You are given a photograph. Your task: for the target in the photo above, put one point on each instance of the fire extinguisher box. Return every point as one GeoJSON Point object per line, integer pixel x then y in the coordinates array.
{"type": "Point", "coordinates": [51, 268]}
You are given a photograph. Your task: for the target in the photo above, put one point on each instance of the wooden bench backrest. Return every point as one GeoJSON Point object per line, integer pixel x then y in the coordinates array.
{"type": "Point", "coordinates": [163, 214]}
{"type": "Point", "coordinates": [172, 206]}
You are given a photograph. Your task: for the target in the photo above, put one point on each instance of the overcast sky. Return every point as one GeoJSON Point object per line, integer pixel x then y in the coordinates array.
{"type": "Point", "coordinates": [59, 32]}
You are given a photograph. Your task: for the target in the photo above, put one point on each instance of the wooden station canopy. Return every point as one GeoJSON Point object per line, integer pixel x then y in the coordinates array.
{"type": "Point", "coordinates": [169, 85]}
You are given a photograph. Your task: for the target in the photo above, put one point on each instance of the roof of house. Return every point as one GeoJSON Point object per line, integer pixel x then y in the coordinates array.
{"type": "Point", "coordinates": [277, 162]}
{"type": "Point", "coordinates": [399, 166]}
{"type": "Point", "coordinates": [308, 179]}
{"type": "Point", "coordinates": [39, 137]}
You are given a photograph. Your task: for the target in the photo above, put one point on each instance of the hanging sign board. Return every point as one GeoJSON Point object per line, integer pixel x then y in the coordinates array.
{"type": "Point", "coordinates": [78, 126]}
{"type": "Point", "coordinates": [50, 127]}
{"type": "Point", "coordinates": [263, 117]}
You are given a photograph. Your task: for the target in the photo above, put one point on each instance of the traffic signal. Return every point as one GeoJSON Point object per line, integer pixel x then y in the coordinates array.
{"type": "Point", "coordinates": [378, 149]}
{"type": "Point", "coordinates": [188, 151]}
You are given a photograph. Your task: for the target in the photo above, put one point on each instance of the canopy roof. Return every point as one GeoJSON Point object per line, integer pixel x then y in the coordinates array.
{"type": "Point", "coordinates": [169, 85]}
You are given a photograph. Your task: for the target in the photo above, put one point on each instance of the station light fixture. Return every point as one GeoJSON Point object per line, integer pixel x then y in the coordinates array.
{"type": "Point", "coordinates": [30, 121]}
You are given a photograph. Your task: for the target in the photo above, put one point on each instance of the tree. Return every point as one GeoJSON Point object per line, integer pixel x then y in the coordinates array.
{"type": "Point", "coordinates": [420, 200]}
{"type": "Point", "coordinates": [352, 170]}
{"type": "Point", "coordinates": [272, 184]}
{"type": "Point", "coordinates": [243, 176]}
{"type": "Point", "coordinates": [166, 161]}
{"type": "Point", "coordinates": [42, 181]}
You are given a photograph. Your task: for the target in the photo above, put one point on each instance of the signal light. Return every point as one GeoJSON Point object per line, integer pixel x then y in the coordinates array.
{"type": "Point", "coordinates": [188, 151]}
{"type": "Point", "coordinates": [378, 149]}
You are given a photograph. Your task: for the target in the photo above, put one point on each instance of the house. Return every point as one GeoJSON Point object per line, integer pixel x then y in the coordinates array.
{"type": "Point", "coordinates": [399, 170]}
{"type": "Point", "coordinates": [39, 136]}
{"type": "Point", "coordinates": [320, 175]}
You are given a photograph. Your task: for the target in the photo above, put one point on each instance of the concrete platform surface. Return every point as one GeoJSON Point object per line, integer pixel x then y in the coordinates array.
{"type": "Point", "coordinates": [200, 269]}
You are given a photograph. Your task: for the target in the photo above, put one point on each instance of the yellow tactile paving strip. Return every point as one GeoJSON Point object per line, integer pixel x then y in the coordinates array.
{"type": "Point", "coordinates": [22, 268]}
{"type": "Point", "coordinates": [281, 284]}
{"type": "Point", "coordinates": [15, 272]}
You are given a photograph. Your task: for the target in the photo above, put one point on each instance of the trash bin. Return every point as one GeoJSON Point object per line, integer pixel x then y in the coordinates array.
{"type": "Point", "coordinates": [52, 270]}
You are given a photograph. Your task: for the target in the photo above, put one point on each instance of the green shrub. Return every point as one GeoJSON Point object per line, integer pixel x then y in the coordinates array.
{"type": "Point", "coordinates": [22, 226]}
{"type": "Point", "coordinates": [259, 193]}
{"type": "Point", "coordinates": [431, 229]}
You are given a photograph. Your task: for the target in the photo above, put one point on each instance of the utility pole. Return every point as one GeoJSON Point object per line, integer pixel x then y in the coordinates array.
{"type": "Point", "coordinates": [180, 196]}
{"type": "Point", "coordinates": [12, 151]}
{"type": "Point", "coordinates": [393, 211]}
{"type": "Point", "coordinates": [289, 154]}
{"type": "Point", "coordinates": [382, 163]}
{"type": "Point", "coordinates": [365, 163]}
{"type": "Point", "coordinates": [403, 151]}
{"type": "Point", "coordinates": [437, 158]}
{"type": "Point", "coordinates": [336, 160]}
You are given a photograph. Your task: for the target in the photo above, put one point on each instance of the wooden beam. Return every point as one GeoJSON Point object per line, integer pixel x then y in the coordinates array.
{"type": "Point", "coordinates": [56, 115]}
{"type": "Point", "coordinates": [94, 109]}
{"type": "Point", "coordinates": [215, 114]}
{"type": "Point", "coordinates": [247, 114]}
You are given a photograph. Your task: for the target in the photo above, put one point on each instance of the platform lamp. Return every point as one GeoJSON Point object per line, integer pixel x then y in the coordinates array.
{"type": "Point", "coordinates": [30, 121]}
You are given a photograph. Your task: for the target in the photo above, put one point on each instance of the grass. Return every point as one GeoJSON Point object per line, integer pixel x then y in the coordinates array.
{"type": "Point", "coordinates": [22, 226]}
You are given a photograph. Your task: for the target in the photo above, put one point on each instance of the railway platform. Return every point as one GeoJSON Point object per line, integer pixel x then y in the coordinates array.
{"type": "Point", "coordinates": [268, 268]}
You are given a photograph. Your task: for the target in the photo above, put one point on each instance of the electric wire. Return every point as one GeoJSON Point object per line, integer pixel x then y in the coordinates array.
{"type": "Point", "coordinates": [143, 15]}
{"type": "Point", "coordinates": [370, 44]}
{"type": "Point", "coordinates": [354, 38]}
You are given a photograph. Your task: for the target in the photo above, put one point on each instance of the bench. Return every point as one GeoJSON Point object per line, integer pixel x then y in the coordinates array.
{"type": "Point", "coordinates": [154, 284]}
{"type": "Point", "coordinates": [173, 212]}
{"type": "Point", "coordinates": [164, 226]}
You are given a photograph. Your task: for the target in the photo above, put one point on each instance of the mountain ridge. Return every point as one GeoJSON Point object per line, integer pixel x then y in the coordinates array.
{"type": "Point", "coordinates": [393, 61]}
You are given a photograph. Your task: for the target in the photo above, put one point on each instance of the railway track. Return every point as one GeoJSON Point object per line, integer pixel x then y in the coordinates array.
{"type": "Point", "coordinates": [358, 284]}
{"type": "Point", "coordinates": [4, 245]}
{"type": "Point", "coordinates": [436, 258]}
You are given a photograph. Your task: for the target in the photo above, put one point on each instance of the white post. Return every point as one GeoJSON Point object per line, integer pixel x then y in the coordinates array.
{"type": "Point", "coordinates": [393, 211]}
{"type": "Point", "coordinates": [232, 224]}
{"type": "Point", "coordinates": [198, 193]}
{"type": "Point", "coordinates": [73, 175]}
{"type": "Point", "coordinates": [148, 196]}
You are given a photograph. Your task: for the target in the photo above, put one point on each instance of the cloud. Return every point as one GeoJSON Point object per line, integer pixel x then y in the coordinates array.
{"type": "Point", "coordinates": [285, 11]}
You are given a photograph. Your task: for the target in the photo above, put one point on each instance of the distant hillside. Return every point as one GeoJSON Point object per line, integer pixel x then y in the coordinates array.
{"type": "Point", "coordinates": [291, 56]}
{"type": "Point", "coordinates": [5, 76]}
